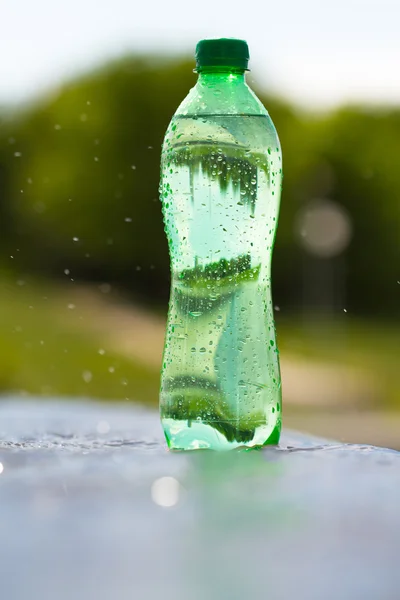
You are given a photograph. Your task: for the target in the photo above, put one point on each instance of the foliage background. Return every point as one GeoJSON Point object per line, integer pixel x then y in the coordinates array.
{"type": "Point", "coordinates": [79, 214]}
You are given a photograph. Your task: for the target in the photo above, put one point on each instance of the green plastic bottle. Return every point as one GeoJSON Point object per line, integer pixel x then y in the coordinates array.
{"type": "Point", "coordinates": [221, 172]}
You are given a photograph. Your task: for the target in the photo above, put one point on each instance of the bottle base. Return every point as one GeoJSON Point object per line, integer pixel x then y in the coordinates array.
{"type": "Point", "coordinates": [200, 435]}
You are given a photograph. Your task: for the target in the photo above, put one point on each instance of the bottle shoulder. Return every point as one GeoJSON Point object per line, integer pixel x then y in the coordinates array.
{"type": "Point", "coordinates": [221, 112]}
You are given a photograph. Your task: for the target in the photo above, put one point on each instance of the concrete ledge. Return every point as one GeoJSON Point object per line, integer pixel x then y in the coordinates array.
{"type": "Point", "coordinates": [92, 506]}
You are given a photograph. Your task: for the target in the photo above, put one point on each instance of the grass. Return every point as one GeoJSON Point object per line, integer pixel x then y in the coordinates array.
{"type": "Point", "coordinates": [40, 353]}
{"type": "Point", "coordinates": [48, 347]}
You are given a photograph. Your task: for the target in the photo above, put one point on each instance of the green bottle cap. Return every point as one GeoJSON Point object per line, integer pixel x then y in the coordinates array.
{"type": "Point", "coordinates": [223, 52]}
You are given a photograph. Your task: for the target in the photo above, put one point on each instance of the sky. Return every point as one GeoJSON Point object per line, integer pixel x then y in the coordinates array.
{"type": "Point", "coordinates": [316, 53]}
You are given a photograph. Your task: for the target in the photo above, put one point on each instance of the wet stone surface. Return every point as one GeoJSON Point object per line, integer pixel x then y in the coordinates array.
{"type": "Point", "coordinates": [92, 505]}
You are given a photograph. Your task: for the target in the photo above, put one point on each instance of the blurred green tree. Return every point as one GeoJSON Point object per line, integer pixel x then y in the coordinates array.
{"type": "Point", "coordinates": [363, 148]}
{"type": "Point", "coordinates": [79, 184]}
{"type": "Point", "coordinates": [83, 172]}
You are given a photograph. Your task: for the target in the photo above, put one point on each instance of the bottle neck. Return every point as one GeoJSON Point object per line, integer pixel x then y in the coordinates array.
{"type": "Point", "coordinates": [210, 76]}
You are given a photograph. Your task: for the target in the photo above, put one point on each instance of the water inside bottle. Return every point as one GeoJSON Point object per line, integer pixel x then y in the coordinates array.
{"type": "Point", "coordinates": [220, 377]}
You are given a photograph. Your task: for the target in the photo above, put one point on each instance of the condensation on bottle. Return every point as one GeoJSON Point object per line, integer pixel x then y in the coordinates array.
{"type": "Point", "coordinates": [221, 173]}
